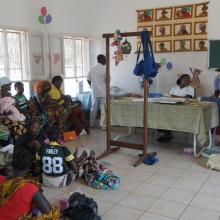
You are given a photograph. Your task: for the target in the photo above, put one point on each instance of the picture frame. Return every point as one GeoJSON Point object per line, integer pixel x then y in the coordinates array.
{"type": "Point", "coordinates": [37, 55]}
{"type": "Point", "coordinates": [163, 30]}
{"type": "Point", "coordinates": [145, 15]}
{"type": "Point", "coordinates": [164, 14]}
{"type": "Point", "coordinates": [56, 54]}
{"type": "Point", "coordinates": [201, 44]}
{"type": "Point", "coordinates": [200, 27]}
{"type": "Point", "coordinates": [147, 27]}
{"type": "Point", "coordinates": [201, 10]}
{"type": "Point", "coordinates": [181, 29]}
{"type": "Point", "coordinates": [138, 44]}
{"type": "Point", "coordinates": [183, 45]}
{"type": "Point", "coordinates": [163, 46]}
{"type": "Point", "coordinates": [183, 12]}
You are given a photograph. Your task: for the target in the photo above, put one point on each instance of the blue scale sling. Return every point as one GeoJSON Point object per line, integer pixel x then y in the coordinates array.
{"type": "Point", "coordinates": [147, 66]}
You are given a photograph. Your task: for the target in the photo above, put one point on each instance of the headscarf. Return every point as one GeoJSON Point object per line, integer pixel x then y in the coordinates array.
{"type": "Point", "coordinates": [10, 187]}
{"type": "Point", "coordinates": [4, 81]}
{"type": "Point", "coordinates": [39, 86]}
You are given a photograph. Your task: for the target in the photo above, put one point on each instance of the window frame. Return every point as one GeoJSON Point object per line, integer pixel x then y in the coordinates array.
{"type": "Point", "coordinates": [85, 60]}
{"type": "Point", "coordinates": [24, 53]}
{"type": "Point", "coordinates": [84, 55]}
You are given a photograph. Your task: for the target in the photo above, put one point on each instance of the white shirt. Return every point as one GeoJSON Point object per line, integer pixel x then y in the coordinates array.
{"type": "Point", "coordinates": [177, 91]}
{"type": "Point", "coordinates": [97, 77]}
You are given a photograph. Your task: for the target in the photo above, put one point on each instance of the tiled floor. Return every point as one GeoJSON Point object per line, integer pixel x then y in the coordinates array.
{"type": "Point", "coordinates": [178, 187]}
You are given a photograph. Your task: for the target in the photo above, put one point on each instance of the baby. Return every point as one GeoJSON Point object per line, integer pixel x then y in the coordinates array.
{"type": "Point", "coordinates": [7, 106]}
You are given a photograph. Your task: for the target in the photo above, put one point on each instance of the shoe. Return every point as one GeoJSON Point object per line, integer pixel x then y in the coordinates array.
{"type": "Point", "coordinates": [151, 160]}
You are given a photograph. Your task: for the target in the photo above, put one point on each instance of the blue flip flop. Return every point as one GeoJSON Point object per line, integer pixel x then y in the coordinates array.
{"type": "Point", "coordinates": [151, 160]}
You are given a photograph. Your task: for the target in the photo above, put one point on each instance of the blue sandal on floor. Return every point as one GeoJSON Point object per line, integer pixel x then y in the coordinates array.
{"type": "Point", "coordinates": [151, 160]}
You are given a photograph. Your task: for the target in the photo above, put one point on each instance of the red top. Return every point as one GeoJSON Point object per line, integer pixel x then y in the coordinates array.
{"type": "Point", "coordinates": [20, 203]}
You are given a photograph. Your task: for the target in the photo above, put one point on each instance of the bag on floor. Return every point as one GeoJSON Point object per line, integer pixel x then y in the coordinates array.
{"type": "Point", "coordinates": [103, 179]}
{"type": "Point", "coordinates": [81, 208]}
{"type": "Point", "coordinates": [98, 176]}
{"type": "Point", "coordinates": [69, 135]}
{"type": "Point", "coordinates": [214, 162]}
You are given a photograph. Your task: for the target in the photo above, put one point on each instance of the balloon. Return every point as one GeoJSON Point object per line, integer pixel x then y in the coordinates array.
{"type": "Point", "coordinates": [48, 19]}
{"type": "Point", "coordinates": [169, 65]}
{"type": "Point", "coordinates": [43, 11]}
{"type": "Point", "coordinates": [41, 19]}
{"type": "Point", "coordinates": [163, 61]}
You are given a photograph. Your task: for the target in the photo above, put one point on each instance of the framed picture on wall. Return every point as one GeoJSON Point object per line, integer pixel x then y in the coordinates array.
{"type": "Point", "coordinates": [163, 46]}
{"type": "Point", "coordinates": [200, 45]}
{"type": "Point", "coordinates": [145, 28]}
{"type": "Point", "coordinates": [139, 43]}
{"type": "Point", "coordinates": [163, 14]}
{"type": "Point", "coordinates": [36, 50]}
{"type": "Point", "coordinates": [56, 54]}
{"type": "Point", "coordinates": [183, 29]}
{"type": "Point", "coordinates": [163, 30]}
{"type": "Point", "coordinates": [183, 45]}
{"type": "Point", "coordinates": [200, 27]}
{"type": "Point", "coordinates": [145, 15]}
{"type": "Point", "coordinates": [183, 12]}
{"type": "Point", "coordinates": [201, 10]}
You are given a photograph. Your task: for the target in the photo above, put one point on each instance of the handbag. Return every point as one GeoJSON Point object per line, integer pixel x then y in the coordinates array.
{"type": "Point", "coordinates": [69, 135]}
{"type": "Point", "coordinates": [147, 66]}
{"type": "Point", "coordinates": [81, 208]}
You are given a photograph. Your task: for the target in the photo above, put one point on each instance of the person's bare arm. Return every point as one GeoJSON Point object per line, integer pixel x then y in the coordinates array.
{"type": "Point", "coordinates": [42, 203]}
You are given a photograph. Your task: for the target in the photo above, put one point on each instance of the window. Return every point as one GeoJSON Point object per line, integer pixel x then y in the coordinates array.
{"type": "Point", "coordinates": [13, 56]}
{"type": "Point", "coordinates": [75, 65]}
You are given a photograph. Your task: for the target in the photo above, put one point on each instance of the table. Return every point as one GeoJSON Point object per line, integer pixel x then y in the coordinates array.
{"type": "Point", "coordinates": [86, 99]}
{"type": "Point", "coordinates": [193, 117]}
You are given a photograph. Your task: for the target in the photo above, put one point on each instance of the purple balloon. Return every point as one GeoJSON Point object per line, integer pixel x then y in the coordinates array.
{"type": "Point", "coordinates": [48, 19]}
{"type": "Point", "coordinates": [169, 65]}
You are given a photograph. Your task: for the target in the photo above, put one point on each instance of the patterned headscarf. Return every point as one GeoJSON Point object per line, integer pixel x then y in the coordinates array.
{"type": "Point", "coordinates": [40, 85]}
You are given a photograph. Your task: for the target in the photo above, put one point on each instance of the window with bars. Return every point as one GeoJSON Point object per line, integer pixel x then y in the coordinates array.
{"type": "Point", "coordinates": [75, 65]}
{"type": "Point", "coordinates": [14, 56]}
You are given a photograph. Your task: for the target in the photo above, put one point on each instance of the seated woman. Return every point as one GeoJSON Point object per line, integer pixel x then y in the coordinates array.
{"type": "Point", "coordinates": [19, 196]}
{"type": "Point", "coordinates": [49, 108]}
{"type": "Point", "coordinates": [59, 165]}
{"type": "Point", "coordinates": [183, 90]}
{"type": "Point", "coordinates": [76, 117]}
{"type": "Point", "coordinates": [11, 117]}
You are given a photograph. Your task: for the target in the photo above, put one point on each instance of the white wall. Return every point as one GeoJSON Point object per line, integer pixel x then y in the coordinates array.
{"type": "Point", "coordinates": [122, 14]}
{"type": "Point", "coordinates": [69, 17]}
{"type": "Point", "coordinates": [93, 18]}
